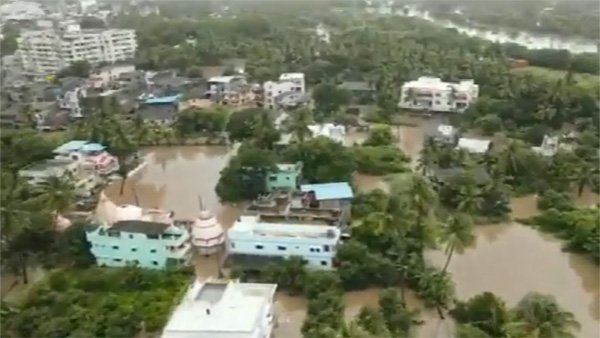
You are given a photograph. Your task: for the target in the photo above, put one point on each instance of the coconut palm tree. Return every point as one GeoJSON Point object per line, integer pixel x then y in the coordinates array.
{"type": "Point", "coordinates": [299, 126]}
{"type": "Point", "coordinates": [584, 174]}
{"type": "Point", "coordinates": [457, 234]}
{"type": "Point", "coordinates": [428, 155]}
{"type": "Point", "coordinates": [59, 194]}
{"type": "Point", "coordinates": [436, 289]}
{"type": "Point", "coordinates": [469, 196]}
{"type": "Point", "coordinates": [539, 316]}
{"type": "Point", "coordinates": [422, 199]}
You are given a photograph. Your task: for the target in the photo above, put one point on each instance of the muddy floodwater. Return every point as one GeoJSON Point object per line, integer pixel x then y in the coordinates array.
{"type": "Point", "coordinates": [174, 177]}
{"type": "Point", "coordinates": [509, 260]}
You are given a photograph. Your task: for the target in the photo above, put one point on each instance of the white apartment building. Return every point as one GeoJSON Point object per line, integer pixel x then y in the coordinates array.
{"type": "Point", "coordinates": [432, 94]}
{"type": "Point", "coordinates": [288, 90]}
{"type": "Point", "coordinates": [45, 52]}
{"type": "Point", "coordinates": [212, 309]}
{"type": "Point", "coordinates": [297, 78]}
{"type": "Point", "coordinates": [332, 131]}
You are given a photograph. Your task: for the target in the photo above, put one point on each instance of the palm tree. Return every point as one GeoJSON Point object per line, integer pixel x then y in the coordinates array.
{"type": "Point", "coordinates": [584, 174]}
{"type": "Point", "coordinates": [509, 158]}
{"type": "Point", "coordinates": [469, 196]}
{"type": "Point", "coordinates": [422, 199]}
{"type": "Point", "coordinates": [539, 316]}
{"type": "Point", "coordinates": [436, 289]}
{"type": "Point", "coordinates": [59, 194]}
{"type": "Point", "coordinates": [299, 126]}
{"type": "Point", "coordinates": [457, 235]}
{"type": "Point", "coordinates": [428, 155]}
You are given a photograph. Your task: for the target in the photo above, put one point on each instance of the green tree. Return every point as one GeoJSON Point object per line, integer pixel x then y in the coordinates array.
{"type": "Point", "coordinates": [457, 234]}
{"type": "Point", "coordinates": [483, 313]}
{"type": "Point", "coordinates": [245, 175]}
{"type": "Point", "coordinates": [379, 135]}
{"type": "Point", "coordinates": [324, 160]}
{"type": "Point", "coordinates": [299, 125]}
{"type": "Point", "coordinates": [436, 289]}
{"type": "Point", "coordinates": [329, 98]}
{"type": "Point", "coordinates": [538, 315]}
{"type": "Point", "coordinates": [59, 194]}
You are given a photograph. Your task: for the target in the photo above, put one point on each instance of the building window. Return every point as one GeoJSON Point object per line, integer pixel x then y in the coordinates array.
{"type": "Point", "coordinates": [232, 245]}
{"type": "Point", "coordinates": [259, 247]}
{"type": "Point", "coordinates": [153, 251]}
{"type": "Point", "coordinates": [130, 235]}
{"type": "Point", "coordinates": [154, 263]}
{"type": "Point", "coordinates": [116, 247]}
{"type": "Point", "coordinates": [152, 236]}
{"type": "Point", "coordinates": [324, 263]}
{"type": "Point", "coordinates": [326, 248]}
{"type": "Point", "coordinates": [117, 259]}
{"type": "Point", "coordinates": [281, 248]}
{"type": "Point", "coordinates": [272, 178]}
{"type": "Point", "coordinates": [134, 249]}
{"type": "Point", "coordinates": [437, 102]}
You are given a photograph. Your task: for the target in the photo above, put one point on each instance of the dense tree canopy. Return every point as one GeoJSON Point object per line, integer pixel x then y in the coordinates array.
{"type": "Point", "coordinates": [87, 303]}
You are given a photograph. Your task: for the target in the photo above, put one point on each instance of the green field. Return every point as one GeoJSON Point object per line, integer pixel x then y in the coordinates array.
{"type": "Point", "coordinates": [587, 81]}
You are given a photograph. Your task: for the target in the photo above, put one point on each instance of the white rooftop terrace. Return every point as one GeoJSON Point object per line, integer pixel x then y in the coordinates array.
{"type": "Point", "coordinates": [213, 309]}
{"type": "Point", "coordinates": [249, 226]}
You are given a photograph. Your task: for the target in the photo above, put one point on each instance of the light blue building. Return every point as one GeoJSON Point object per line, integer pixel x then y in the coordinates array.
{"type": "Point", "coordinates": [287, 176]}
{"type": "Point", "coordinates": [283, 224]}
{"type": "Point", "coordinates": [146, 244]}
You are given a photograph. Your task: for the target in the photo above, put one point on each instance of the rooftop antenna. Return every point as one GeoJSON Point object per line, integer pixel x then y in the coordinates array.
{"type": "Point", "coordinates": [135, 196]}
{"type": "Point", "coordinates": [200, 203]}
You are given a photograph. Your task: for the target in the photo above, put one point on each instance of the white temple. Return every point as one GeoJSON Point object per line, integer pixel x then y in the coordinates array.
{"type": "Point", "coordinates": [207, 233]}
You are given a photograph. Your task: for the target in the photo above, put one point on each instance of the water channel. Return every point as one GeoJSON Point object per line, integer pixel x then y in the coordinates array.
{"type": "Point", "coordinates": [174, 177]}
{"type": "Point", "coordinates": [527, 39]}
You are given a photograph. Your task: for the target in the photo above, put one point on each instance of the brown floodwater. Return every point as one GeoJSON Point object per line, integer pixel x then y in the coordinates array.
{"type": "Point", "coordinates": [174, 177]}
{"type": "Point", "coordinates": [511, 260]}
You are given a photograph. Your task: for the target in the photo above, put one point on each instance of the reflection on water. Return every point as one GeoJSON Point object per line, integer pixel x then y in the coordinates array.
{"type": "Point", "coordinates": [536, 261]}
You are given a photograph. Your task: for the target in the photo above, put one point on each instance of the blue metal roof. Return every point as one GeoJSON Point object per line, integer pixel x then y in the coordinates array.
{"type": "Point", "coordinates": [162, 99]}
{"type": "Point", "coordinates": [329, 191]}
{"type": "Point", "coordinates": [78, 145]}
{"type": "Point", "coordinates": [92, 147]}
{"type": "Point", "coordinates": [70, 146]}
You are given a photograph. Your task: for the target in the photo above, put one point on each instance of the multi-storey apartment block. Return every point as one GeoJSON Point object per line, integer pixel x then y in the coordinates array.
{"type": "Point", "coordinates": [45, 52]}
{"type": "Point", "coordinates": [432, 94]}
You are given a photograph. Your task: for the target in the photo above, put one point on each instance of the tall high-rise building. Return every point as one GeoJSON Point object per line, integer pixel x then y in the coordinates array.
{"type": "Point", "coordinates": [44, 52]}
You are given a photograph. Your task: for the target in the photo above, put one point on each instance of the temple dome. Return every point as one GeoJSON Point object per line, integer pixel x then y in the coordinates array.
{"type": "Point", "coordinates": [207, 233]}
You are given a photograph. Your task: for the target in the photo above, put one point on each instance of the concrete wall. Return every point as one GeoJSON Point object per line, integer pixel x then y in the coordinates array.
{"type": "Point", "coordinates": [283, 180]}
{"type": "Point", "coordinates": [319, 252]}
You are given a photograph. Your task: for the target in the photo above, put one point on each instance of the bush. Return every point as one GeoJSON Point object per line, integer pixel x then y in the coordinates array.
{"type": "Point", "coordinates": [379, 135]}
{"type": "Point", "coordinates": [551, 199]}
{"type": "Point", "coordinates": [380, 160]}
{"type": "Point", "coordinates": [489, 124]}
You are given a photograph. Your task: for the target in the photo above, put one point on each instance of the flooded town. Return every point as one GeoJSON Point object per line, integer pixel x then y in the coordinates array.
{"type": "Point", "coordinates": [315, 170]}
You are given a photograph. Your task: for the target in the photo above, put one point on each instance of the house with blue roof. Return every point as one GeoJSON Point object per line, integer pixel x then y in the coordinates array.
{"type": "Point", "coordinates": [159, 109]}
